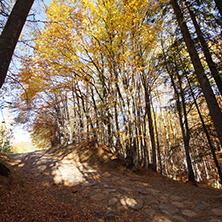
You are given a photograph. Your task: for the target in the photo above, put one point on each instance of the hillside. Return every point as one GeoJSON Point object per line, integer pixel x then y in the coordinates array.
{"type": "Point", "coordinates": [84, 184]}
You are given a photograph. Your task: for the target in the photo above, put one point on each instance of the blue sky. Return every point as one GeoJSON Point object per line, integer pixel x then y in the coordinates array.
{"type": "Point", "coordinates": [19, 133]}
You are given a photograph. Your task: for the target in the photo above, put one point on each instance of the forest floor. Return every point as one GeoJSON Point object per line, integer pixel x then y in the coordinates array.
{"type": "Point", "coordinates": [51, 186]}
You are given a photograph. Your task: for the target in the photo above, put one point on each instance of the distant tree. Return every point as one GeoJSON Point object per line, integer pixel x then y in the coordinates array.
{"type": "Point", "coordinates": [5, 136]}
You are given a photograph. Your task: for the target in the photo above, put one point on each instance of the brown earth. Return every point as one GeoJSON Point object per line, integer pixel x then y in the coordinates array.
{"type": "Point", "coordinates": [82, 184]}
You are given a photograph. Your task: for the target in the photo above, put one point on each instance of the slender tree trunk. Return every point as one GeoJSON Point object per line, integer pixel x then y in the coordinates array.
{"type": "Point", "coordinates": [118, 142]}
{"type": "Point", "coordinates": [151, 128]}
{"type": "Point", "coordinates": [145, 148]}
{"type": "Point", "coordinates": [204, 126]}
{"type": "Point", "coordinates": [205, 131]}
{"type": "Point", "coordinates": [171, 151]}
{"type": "Point", "coordinates": [165, 162]}
{"type": "Point", "coordinates": [11, 33]}
{"type": "Point", "coordinates": [169, 145]}
{"type": "Point", "coordinates": [213, 106]}
{"type": "Point", "coordinates": [139, 126]}
{"type": "Point", "coordinates": [67, 125]}
{"type": "Point", "coordinates": [206, 50]}
{"type": "Point", "coordinates": [88, 118]}
{"type": "Point", "coordinates": [74, 126]}
{"type": "Point", "coordinates": [80, 125]}
{"type": "Point", "coordinates": [95, 115]}
{"type": "Point", "coordinates": [185, 130]}
{"type": "Point", "coordinates": [206, 170]}
{"type": "Point", "coordinates": [157, 142]}
{"type": "Point", "coordinates": [184, 125]}
{"type": "Point", "coordinates": [191, 176]}
{"type": "Point", "coordinates": [134, 135]}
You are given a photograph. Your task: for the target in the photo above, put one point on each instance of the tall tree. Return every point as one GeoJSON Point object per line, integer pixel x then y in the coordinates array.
{"type": "Point", "coordinates": [176, 81]}
{"type": "Point", "coordinates": [11, 33]}
{"type": "Point", "coordinates": [205, 49]}
{"type": "Point", "coordinates": [213, 106]}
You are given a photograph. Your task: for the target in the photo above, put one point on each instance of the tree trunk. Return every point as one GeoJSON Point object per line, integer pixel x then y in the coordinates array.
{"type": "Point", "coordinates": [11, 33]}
{"type": "Point", "coordinates": [183, 124]}
{"type": "Point", "coordinates": [205, 131]}
{"type": "Point", "coordinates": [206, 50]}
{"type": "Point", "coordinates": [186, 127]}
{"type": "Point", "coordinates": [157, 142]}
{"type": "Point", "coordinates": [145, 147]}
{"type": "Point", "coordinates": [213, 106]}
{"type": "Point", "coordinates": [151, 128]}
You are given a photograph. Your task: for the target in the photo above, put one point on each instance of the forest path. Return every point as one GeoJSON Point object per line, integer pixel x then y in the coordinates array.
{"type": "Point", "coordinates": [81, 192]}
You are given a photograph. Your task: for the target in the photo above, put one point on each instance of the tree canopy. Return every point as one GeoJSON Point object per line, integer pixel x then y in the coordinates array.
{"type": "Point", "coordinates": [142, 78]}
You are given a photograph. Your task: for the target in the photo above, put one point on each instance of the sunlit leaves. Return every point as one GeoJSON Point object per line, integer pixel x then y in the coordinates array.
{"type": "Point", "coordinates": [98, 46]}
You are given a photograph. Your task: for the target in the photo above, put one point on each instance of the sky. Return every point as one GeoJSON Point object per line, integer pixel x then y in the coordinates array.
{"type": "Point", "coordinates": [20, 134]}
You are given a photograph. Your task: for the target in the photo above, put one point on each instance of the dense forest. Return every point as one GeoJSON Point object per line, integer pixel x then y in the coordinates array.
{"type": "Point", "coordinates": [141, 78]}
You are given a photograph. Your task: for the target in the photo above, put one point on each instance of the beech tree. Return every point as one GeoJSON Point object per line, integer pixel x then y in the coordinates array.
{"type": "Point", "coordinates": [96, 74]}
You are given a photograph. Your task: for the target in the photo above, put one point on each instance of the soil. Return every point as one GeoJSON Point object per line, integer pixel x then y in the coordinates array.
{"type": "Point", "coordinates": [47, 186]}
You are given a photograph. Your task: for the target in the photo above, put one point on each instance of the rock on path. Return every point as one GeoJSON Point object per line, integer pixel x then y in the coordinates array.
{"type": "Point", "coordinates": [115, 195]}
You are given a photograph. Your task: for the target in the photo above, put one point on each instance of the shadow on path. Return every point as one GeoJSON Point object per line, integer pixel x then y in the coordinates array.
{"type": "Point", "coordinates": [81, 173]}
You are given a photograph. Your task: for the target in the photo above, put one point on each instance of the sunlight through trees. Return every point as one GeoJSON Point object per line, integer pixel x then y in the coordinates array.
{"type": "Point", "coordinates": [142, 78]}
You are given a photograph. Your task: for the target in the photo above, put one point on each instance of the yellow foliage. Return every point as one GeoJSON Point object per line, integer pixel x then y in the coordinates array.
{"type": "Point", "coordinates": [86, 43]}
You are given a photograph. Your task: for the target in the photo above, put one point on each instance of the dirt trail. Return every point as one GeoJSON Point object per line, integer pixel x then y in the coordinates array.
{"type": "Point", "coordinates": [81, 192]}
